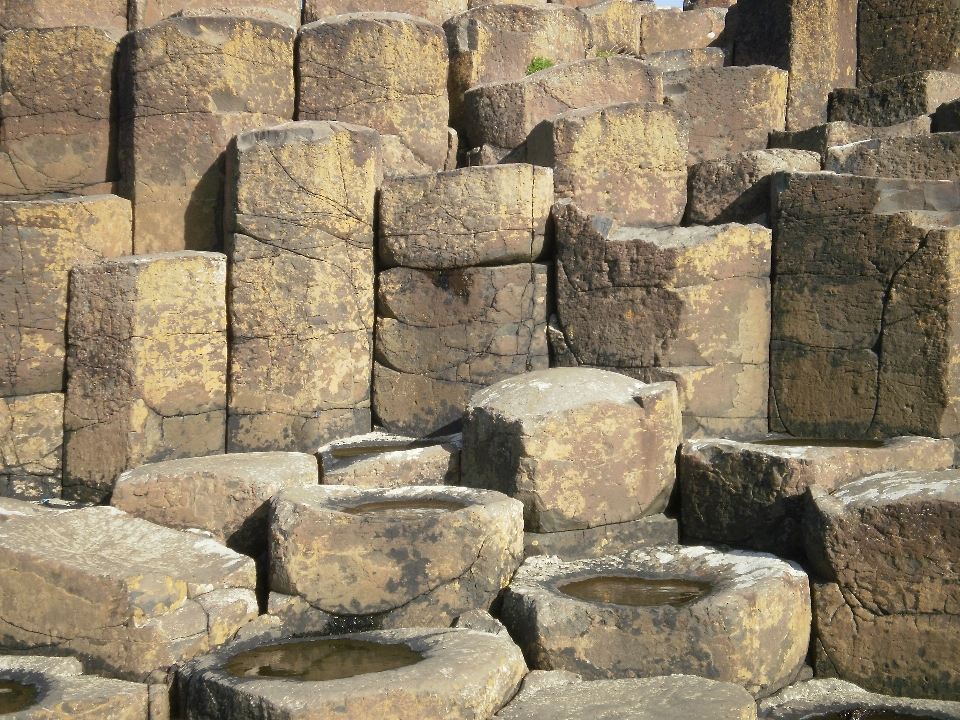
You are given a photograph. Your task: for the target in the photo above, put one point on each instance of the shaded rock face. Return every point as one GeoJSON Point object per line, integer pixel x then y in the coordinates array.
{"type": "Point", "coordinates": [688, 305]}
{"type": "Point", "coordinates": [751, 495]}
{"type": "Point", "coordinates": [124, 595]}
{"type": "Point", "coordinates": [443, 335]}
{"type": "Point", "coordinates": [379, 459]}
{"type": "Point", "coordinates": [31, 446]}
{"type": "Point", "coordinates": [386, 71]}
{"type": "Point", "coordinates": [301, 199]}
{"type": "Point", "coordinates": [55, 14]}
{"type": "Point", "coordinates": [745, 618]}
{"type": "Point", "coordinates": [923, 157]}
{"type": "Point", "coordinates": [579, 447]}
{"type": "Point", "coordinates": [820, 138]}
{"type": "Point", "coordinates": [894, 101]}
{"type": "Point", "coordinates": [171, 144]}
{"type": "Point", "coordinates": [146, 367]}
{"type": "Point", "coordinates": [463, 675]}
{"type": "Point", "coordinates": [862, 307]}
{"type": "Point", "coordinates": [887, 609]}
{"type": "Point", "coordinates": [409, 556]}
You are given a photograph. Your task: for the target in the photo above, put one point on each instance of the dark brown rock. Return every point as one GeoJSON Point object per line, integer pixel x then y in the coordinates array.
{"type": "Point", "coordinates": [922, 157]}
{"type": "Point", "coordinates": [821, 137]}
{"type": "Point", "coordinates": [894, 101]}
{"type": "Point", "coordinates": [668, 29]}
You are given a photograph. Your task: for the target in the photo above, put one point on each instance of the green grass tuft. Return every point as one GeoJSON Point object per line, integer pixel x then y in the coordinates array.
{"type": "Point", "coordinates": [538, 64]}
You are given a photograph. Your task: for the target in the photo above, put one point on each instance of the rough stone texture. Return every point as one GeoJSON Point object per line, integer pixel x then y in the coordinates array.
{"type": "Point", "coordinates": [59, 119]}
{"type": "Point", "coordinates": [435, 12]}
{"type": "Point", "coordinates": [387, 71]}
{"type": "Point", "coordinates": [124, 595]}
{"type": "Point", "coordinates": [64, 694]}
{"type": "Point", "coordinates": [407, 571]}
{"type": "Point", "coordinates": [240, 72]}
{"type": "Point", "coordinates": [59, 14]}
{"type": "Point", "coordinates": [822, 696]}
{"type": "Point", "coordinates": [443, 335]}
{"type": "Point", "coordinates": [736, 188]}
{"type": "Point", "coordinates": [686, 59]}
{"type": "Point", "coordinates": [624, 160]}
{"type": "Point", "coordinates": [752, 494]}
{"type": "Point", "coordinates": [863, 307]}
{"type": "Point", "coordinates": [815, 41]}
{"type": "Point", "coordinates": [31, 446]}
{"type": "Point", "coordinates": [149, 12]}
{"type": "Point", "coordinates": [603, 539]}
{"type": "Point", "coordinates": [751, 628]}
{"type": "Point", "coordinates": [821, 137]}
{"type": "Point", "coordinates": [579, 447]}
{"type": "Point", "coordinates": [42, 240]}
{"type": "Point", "coordinates": [146, 366]}
{"type": "Point", "coordinates": [678, 697]}
{"type": "Point", "coordinates": [379, 459]}
{"type": "Point", "coordinates": [473, 216]}
{"type": "Point", "coordinates": [496, 42]}
{"type": "Point", "coordinates": [668, 29]}
{"type": "Point", "coordinates": [732, 109]}
{"type": "Point", "coordinates": [504, 113]}
{"type": "Point", "coordinates": [616, 24]}
{"type": "Point", "coordinates": [689, 305]}
{"type": "Point", "coordinates": [894, 101]}
{"type": "Point", "coordinates": [481, 621]}
{"type": "Point", "coordinates": [897, 37]}
{"type": "Point", "coordinates": [11, 509]}
{"type": "Point", "coordinates": [225, 495]}
{"type": "Point", "coordinates": [464, 675]}
{"type": "Point", "coordinates": [923, 157]}
{"type": "Point", "coordinates": [946, 118]}
{"type": "Point", "coordinates": [301, 221]}
{"type": "Point", "coordinates": [888, 609]}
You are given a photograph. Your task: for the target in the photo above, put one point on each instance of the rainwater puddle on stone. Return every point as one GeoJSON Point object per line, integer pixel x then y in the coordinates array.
{"type": "Point", "coordinates": [15, 696]}
{"type": "Point", "coordinates": [318, 660]}
{"type": "Point", "coordinates": [866, 714]}
{"type": "Point", "coordinates": [637, 592]}
{"type": "Point", "coordinates": [814, 442]}
{"type": "Point", "coordinates": [405, 509]}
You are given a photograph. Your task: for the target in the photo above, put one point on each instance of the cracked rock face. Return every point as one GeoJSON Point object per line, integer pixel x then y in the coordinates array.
{"type": "Point", "coordinates": [464, 675]}
{"type": "Point", "coordinates": [301, 208]}
{"type": "Point", "coordinates": [383, 70]}
{"type": "Point", "coordinates": [42, 241]}
{"type": "Point", "coordinates": [736, 188]}
{"type": "Point", "coordinates": [820, 138]}
{"type": "Point", "coordinates": [687, 305]}
{"type": "Point", "coordinates": [888, 608]}
{"type": "Point", "coordinates": [896, 100]}
{"type": "Point", "coordinates": [379, 459]}
{"type": "Point", "coordinates": [150, 12]}
{"type": "Point", "coordinates": [579, 447]}
{"type": "Point", "coordinates": [625, 160]}
{"type": "Point", "coordinates": [147, 366]}
{"type": "Point", "coordinates": [504, 113]}
{"type": "Point", "coordinates": [240, 71]}
{"type": "Point", "coordinates": [862, 307]}
{"type": "Point", "coordinates": [819, 697]}
{"type": "Point", "coordinates": [414, 556]}
{"type": "Point", "coordinates": [124, 595]}
{"type": "Point", "coordinates": [444, 335]}
{"type": "Point", "coordinates": [225, 495]}
{"type": "Point", "coordinates": [677, 697]}
{"type": "Point", "coordinates": [747, 624]}
{"type": "Point", "coordinates": [31, 446]}
{"type": "Point", "coordinates": [472, 216]}
{"type": "Point", "coordinates": [56, 105]}
{"type": "Point", "coordinates": [494, 43]}
{"type": "Point", "coordinates": [732, 109]}
{"type": "Point", "coordinates": [752, 494]}
{"type": "Point", "coordinates": [58, 14]}
{"type": "Point", "coordinates": [924, 157]}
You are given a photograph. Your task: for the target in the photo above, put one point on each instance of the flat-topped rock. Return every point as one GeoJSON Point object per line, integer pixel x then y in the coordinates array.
{"type": "Point", "coordinates": [685, 59]}
{"type": "Point", "coordinates": [425, 674]}
{"type": "Point", "coordinates": [735, 617]}
{"type": "Point", "coordinates": [31, 446]}
{"type": "Point", "coordinates": [821, 137]}
{"type": "Point", "coordinates": [435, 12]}
{"type": "Point", "coordinates": [226, 495]}
{"type": "Point", "coordinates": [124, 595]}
{"type": "Point", "coordinates": [150, 12]}
{"type": "Point", "coordinates": [54, 14]}
{"type": "Point", "coordinates": [751, 494]}
{"type": "Point", "coordinates": [380, 459]}
{"type": "Point", "coordinates": [895, 100]}
{"type": "Point", "coordinates": [579, 447]}
{"type": "Point", "coordinates": [411, 556]}
{"type": "Point", "coordinates": [923, 157]}
{"type": "Point", "coordinates": [836, 698]}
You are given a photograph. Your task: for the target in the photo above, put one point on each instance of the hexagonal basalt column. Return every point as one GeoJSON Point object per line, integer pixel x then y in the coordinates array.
{"type": "Point", "coordinates": [735, 617]}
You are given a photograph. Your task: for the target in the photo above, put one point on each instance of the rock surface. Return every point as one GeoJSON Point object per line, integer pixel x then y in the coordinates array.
{"type": "Point", "coordinates": [922, 157]}
{"type": "Point", "coordinates": [667, 29]}
{"type": "Point", "coordinates": [379, 459]}
{"type": "Point", "coordinates": [31, 446]}
{"type": "Point", "coordinates": [603, 540]}
{"type": "Point", "coordinates": [897, 100]}
{"type": "Point", "coordinates": [150, 12]}
{"type": "Point", "coordinates": [822, 696]}
{"type": "Point", "coordinates": [301, 207]}
{"type": "Point", "coordinates": [56, 14]}
{"type": "Point", "coordinates": [579, 447]}
{"type": "Point", "coordinates": [820, 138]}
{"type": "Point", "coordinates": [616, 25]}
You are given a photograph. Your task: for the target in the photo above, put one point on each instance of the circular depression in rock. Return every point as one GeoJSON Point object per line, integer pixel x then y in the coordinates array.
{"type": "Point", "coordinates": [405, 509]}
{"type": "Point", "coordinates": [320, 660]}
{"type": "Point", "coordinates": [815, 442]}
{"type": "Point", "coordinates": [636, 591]}
{"type": "Point", "coordinates": [867, 714]}
{"type": "Point", "coordinates": [15, 696]}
